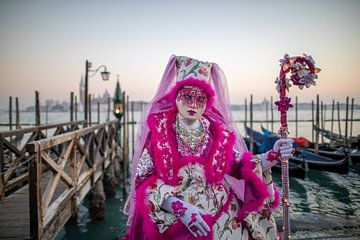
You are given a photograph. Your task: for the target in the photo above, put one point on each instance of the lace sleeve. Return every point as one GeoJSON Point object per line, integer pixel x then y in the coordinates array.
{"type": "Point", "coordinates": [237, 155]}
{"type": "Point", "coordinates": [145, 165]}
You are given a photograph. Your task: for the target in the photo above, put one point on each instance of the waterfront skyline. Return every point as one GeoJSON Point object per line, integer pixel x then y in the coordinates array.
{"type": "Point", "coordinates": [44, 45]}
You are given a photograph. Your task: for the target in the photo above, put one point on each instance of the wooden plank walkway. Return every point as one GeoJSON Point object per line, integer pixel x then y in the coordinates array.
{"type": "Point", "coordinates": [15, 211]}
{"type": "Point", "coordinates": [58, 183]}
{"type": "Point", "coordinates": [15, 215]}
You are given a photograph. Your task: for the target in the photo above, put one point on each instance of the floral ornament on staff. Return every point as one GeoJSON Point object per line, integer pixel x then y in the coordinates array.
{"type": "Point", "coordinates": [303, 72]}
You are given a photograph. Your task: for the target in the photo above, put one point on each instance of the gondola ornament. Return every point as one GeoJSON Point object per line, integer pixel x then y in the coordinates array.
{"type": "Point", "coordinates": [302, 72]}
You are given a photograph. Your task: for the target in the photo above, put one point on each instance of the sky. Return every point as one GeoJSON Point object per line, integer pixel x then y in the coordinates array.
{"type": "Point", "coordinates": [44, 45]}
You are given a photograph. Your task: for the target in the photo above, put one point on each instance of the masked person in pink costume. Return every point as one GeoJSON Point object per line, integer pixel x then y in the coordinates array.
{"type": "Point", "coordinates": [192, 177]}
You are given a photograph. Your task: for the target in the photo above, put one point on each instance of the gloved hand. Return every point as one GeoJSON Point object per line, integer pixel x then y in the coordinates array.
{"type": "Point", "coordinates": [282, 147]}
{"type": "Point", "coordinates": [189, 215]}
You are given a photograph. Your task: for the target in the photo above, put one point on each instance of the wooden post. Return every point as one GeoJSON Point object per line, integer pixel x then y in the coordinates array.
{"type": "Point", "coordinates": [46, 115]}
{"type": "Point", "coordinates": [332, 117]}
{"type": "Point", "coordinates": [74, 165]}
{"type": "Point", "coordinates": [110, 180]}
{"type": "Point", "coordinates": [89, 107]}
{"type": "Point", "coordinates": [98, 112]}
{"type": "Point", "coordinates": [325, 109]}
{"type": "Point", "coordinates": [351, 116]}
{"type": "Point", "coordinates": [125, 164]}
{"type": "Point", "coordinates": [245, 122]}
{"type": "Point", "coordinates": [132, 128]}
{"type": "Point", "coordinates": [37, 107]}
{"type": "Point", "coordinates": [346, 121]}
{"type": "Point", "coordinates": [108, 111]}
{"type": "Point", "coordinates": [35, 196]}
{"type": "Point", "coordinates": [17, 113]}
{"type": "Point", "coordinates": [322, 120]}
{"type": "Point", "coordinates": [10, 113]}
{"type": "Point", "coordinates": [312, 121]}
{"type": "Point", "coordinates": [2, 180]}
{"type": "Point", "coordinates": [97, 201]}
{"type": "Point", "coordinates": [317, 125]}
{"type": "Point", "coordinates": [97, 194]}
{"type": "Point", "coordinates": [76, 108]}
{"type": "Point", "coordinates": [296, 116]}
{"type": "Point", "coordinates": [251, 125]}
{"type": "Point", "coordinates": [272, 114]}
{"type": "Point", "coordinates": [339, 119]}
{"type": "Point", "coordinates": [267, 114]}
{"type": "Point", "coordinates": [128, 128]}
{"type": "Point", "coordinates": [71, 106]}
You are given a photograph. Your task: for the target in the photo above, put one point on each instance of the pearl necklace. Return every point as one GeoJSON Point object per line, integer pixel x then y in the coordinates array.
{"type": "Point", "coordinates": [191, 141]}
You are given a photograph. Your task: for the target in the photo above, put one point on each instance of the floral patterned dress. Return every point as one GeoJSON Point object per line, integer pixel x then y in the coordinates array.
{"type": "Point", "coordinates": [219, 199]}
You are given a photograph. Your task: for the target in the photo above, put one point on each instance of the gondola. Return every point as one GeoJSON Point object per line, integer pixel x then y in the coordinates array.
{"type": "Point", "coordinates": [353, 141]}
{"type": "Point", "coordinates": [324, 149]}
{"type": "Point", "coordinates": [299, 141]}
{"type": "Point", "coordinates": [264, 143]}
{"type": "Point", "coordinates": [331, 163]}
{"type": "Point", "coordinates": [338, 163]}
{"type": "Point", "coordinates": [338, 153]}
{"type": "Point", "coordinates": [295, 170]}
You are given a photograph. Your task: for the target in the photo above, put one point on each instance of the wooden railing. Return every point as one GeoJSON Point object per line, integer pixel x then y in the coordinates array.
{"type": "Point", "coordinates": [14, 159]}
{"type": "Point", "coordinates": [58, 183]}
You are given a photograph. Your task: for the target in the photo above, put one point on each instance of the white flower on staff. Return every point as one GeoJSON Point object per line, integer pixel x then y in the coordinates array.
{"type": "Point", "coordinates": [307, 80]}
{"type": "Point", "coordinates": [279, 83]}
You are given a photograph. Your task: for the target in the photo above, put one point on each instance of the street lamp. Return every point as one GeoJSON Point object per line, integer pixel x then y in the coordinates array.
{"type": "Point", "coordinates": [105, 76]}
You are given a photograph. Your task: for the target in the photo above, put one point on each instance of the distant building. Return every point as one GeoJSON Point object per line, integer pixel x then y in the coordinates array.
{"type": "Point", "coordinates": [102, 99]}
{"type": "Point", "coordinates": [82, 91]}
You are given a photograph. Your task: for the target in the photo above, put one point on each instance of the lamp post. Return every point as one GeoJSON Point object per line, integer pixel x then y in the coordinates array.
{"type": "Point", "coordinates": [118, 107]}
{"type": "Point", "coordinates": [105, 76]}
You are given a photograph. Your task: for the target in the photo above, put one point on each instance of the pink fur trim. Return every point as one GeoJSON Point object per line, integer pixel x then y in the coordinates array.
{"type": "Point", "coordinates": [276, 202]}
{"type": "Point", "coordinates": [193, 82]}
{"type": "Point", "coordinates": [261, 190]}
{"type": "Point", "coordinates": [142, 221]}
{"type": "Point", "coordinates": [168, 160]}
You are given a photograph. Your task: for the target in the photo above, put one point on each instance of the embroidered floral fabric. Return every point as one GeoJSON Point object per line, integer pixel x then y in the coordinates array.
{"type": "Point", "coordinates": [189, 67]}
{"type": "Point", "coordinates": [211, 198]}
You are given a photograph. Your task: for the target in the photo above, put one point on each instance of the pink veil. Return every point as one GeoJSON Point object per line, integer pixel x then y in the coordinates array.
{"type": "Point", "coordinates": [220, 111]}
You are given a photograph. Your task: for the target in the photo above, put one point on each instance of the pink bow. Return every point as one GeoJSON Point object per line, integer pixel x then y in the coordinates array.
{"type": "Point", "coordinates": [284, 104]}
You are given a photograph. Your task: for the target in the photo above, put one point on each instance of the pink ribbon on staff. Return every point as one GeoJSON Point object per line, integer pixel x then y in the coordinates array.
{"type": "Point", "coordinates": [283, 104]}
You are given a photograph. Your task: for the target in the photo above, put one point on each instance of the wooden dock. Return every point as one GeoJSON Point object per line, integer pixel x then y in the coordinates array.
{"type": "Point", "coordinates": [63, 169]}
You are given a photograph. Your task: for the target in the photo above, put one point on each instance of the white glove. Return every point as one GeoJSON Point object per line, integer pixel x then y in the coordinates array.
{"type": "Point", "coordinates": [189, 215]}
{"type": "Point", "coordinates": [282, 147]}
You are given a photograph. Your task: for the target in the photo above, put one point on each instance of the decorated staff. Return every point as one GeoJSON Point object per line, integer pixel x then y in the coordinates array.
{"type": "Point", "coordinates": [302, 73]}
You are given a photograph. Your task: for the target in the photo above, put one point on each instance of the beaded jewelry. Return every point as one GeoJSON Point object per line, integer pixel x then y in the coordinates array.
{"type": "Point", "coordinates": [191, 142]}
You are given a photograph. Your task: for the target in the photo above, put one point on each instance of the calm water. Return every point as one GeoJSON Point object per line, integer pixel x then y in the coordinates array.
{"type": "Point", "coordinates": [322, 194]}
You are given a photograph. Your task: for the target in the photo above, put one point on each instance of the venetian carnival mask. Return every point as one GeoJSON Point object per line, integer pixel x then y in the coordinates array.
{"type": "Point", "coordinates": [191, 102]}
